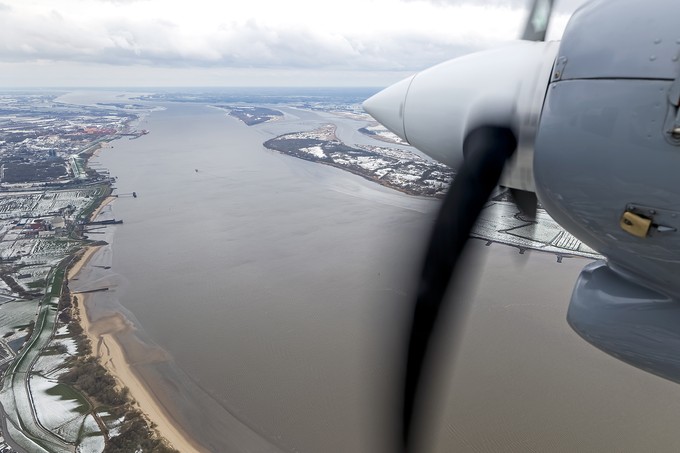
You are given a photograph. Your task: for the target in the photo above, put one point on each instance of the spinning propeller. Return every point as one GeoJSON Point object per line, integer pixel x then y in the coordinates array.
{"type": "Point", "coordinates": [605, 168]}
{"type": "Point", "coordinates": [475, 113]}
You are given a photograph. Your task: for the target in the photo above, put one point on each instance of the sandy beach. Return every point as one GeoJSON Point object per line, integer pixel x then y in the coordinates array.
{"type": "Point", "coordinates": [101, 206]}
{"type": "Point", "coordinates": [105, 347]}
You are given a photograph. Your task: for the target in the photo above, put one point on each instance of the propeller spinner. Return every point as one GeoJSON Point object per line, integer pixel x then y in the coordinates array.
{"type": "Point", "coordinates": [436, 109]}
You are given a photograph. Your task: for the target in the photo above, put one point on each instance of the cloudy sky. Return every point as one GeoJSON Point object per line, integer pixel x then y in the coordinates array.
{"type": "Point", "coordinates": [246, 42]}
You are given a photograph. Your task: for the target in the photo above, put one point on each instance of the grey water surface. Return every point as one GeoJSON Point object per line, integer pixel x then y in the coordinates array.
{"type": "Point", "coordinates": [276, 289]}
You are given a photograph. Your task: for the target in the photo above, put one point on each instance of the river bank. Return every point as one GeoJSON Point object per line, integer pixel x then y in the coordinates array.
{"type": "Point", "coordinates": [102, 334]}
{"type": "Point", "coordinates": [105, 202]}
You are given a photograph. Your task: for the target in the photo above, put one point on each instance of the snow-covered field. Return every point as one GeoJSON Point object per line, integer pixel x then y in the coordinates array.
{"type": "Point", "coordinates": [92, 440]}
{"type": "Point", "coordinates": [33, 233]}
{"type": "Point", "coordinates": [380, 132]}
{"type": "Point", "coordinates": [57, 412]}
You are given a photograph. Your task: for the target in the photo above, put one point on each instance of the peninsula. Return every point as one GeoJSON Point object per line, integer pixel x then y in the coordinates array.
{"type": "Point", "coordinates": [252, 115]}
{"type": "Point", "coordinates": [399, 169]}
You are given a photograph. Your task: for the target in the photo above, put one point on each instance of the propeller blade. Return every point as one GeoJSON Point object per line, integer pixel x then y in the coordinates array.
{"type": "Point", "coordinates": [486, 150]}
{"type": "Point", "coordinates": [538, 20]}
{"type": "Point", "coordinates": [534, 30]}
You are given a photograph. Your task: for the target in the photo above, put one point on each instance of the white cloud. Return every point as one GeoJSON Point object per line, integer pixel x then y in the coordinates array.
{"type": "Point", "coordinates": [355, 33]}
{"type": "Point", "coordinates": [560, 6]}
{"type": "Point", "coordinates": [358, 35]}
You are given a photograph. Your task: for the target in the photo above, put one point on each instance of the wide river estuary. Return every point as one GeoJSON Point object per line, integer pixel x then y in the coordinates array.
{"type": "Point", "coordinates": [268, 298]}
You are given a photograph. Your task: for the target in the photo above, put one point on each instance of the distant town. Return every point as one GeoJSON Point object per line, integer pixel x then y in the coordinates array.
{"type": "Point", "coordinates": [46, 143]}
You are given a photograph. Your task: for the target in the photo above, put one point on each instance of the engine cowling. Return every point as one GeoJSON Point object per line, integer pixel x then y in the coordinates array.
{"type": "Point", "coordinates": [603, 147]}
{"type": "Point", "coordinates": [606, 166]}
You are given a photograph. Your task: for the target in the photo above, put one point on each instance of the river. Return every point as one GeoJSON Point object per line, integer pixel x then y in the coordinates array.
{"type": "Point", "coordinates": [272, 292]}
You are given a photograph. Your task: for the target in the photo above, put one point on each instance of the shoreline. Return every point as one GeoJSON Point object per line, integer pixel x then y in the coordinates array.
{"type": "Point", "coordinates": [111, 354]}
{"type": "Point", "coordinates": [109, 351]}
{"type": "Point", "coordinates": [105, 202]}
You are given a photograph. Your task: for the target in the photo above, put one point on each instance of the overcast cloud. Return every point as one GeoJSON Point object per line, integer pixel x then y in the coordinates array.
{"type": "Point", "coordinates": [393, 37]}
{"type": "Point", "coordinates": [561, 6]}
